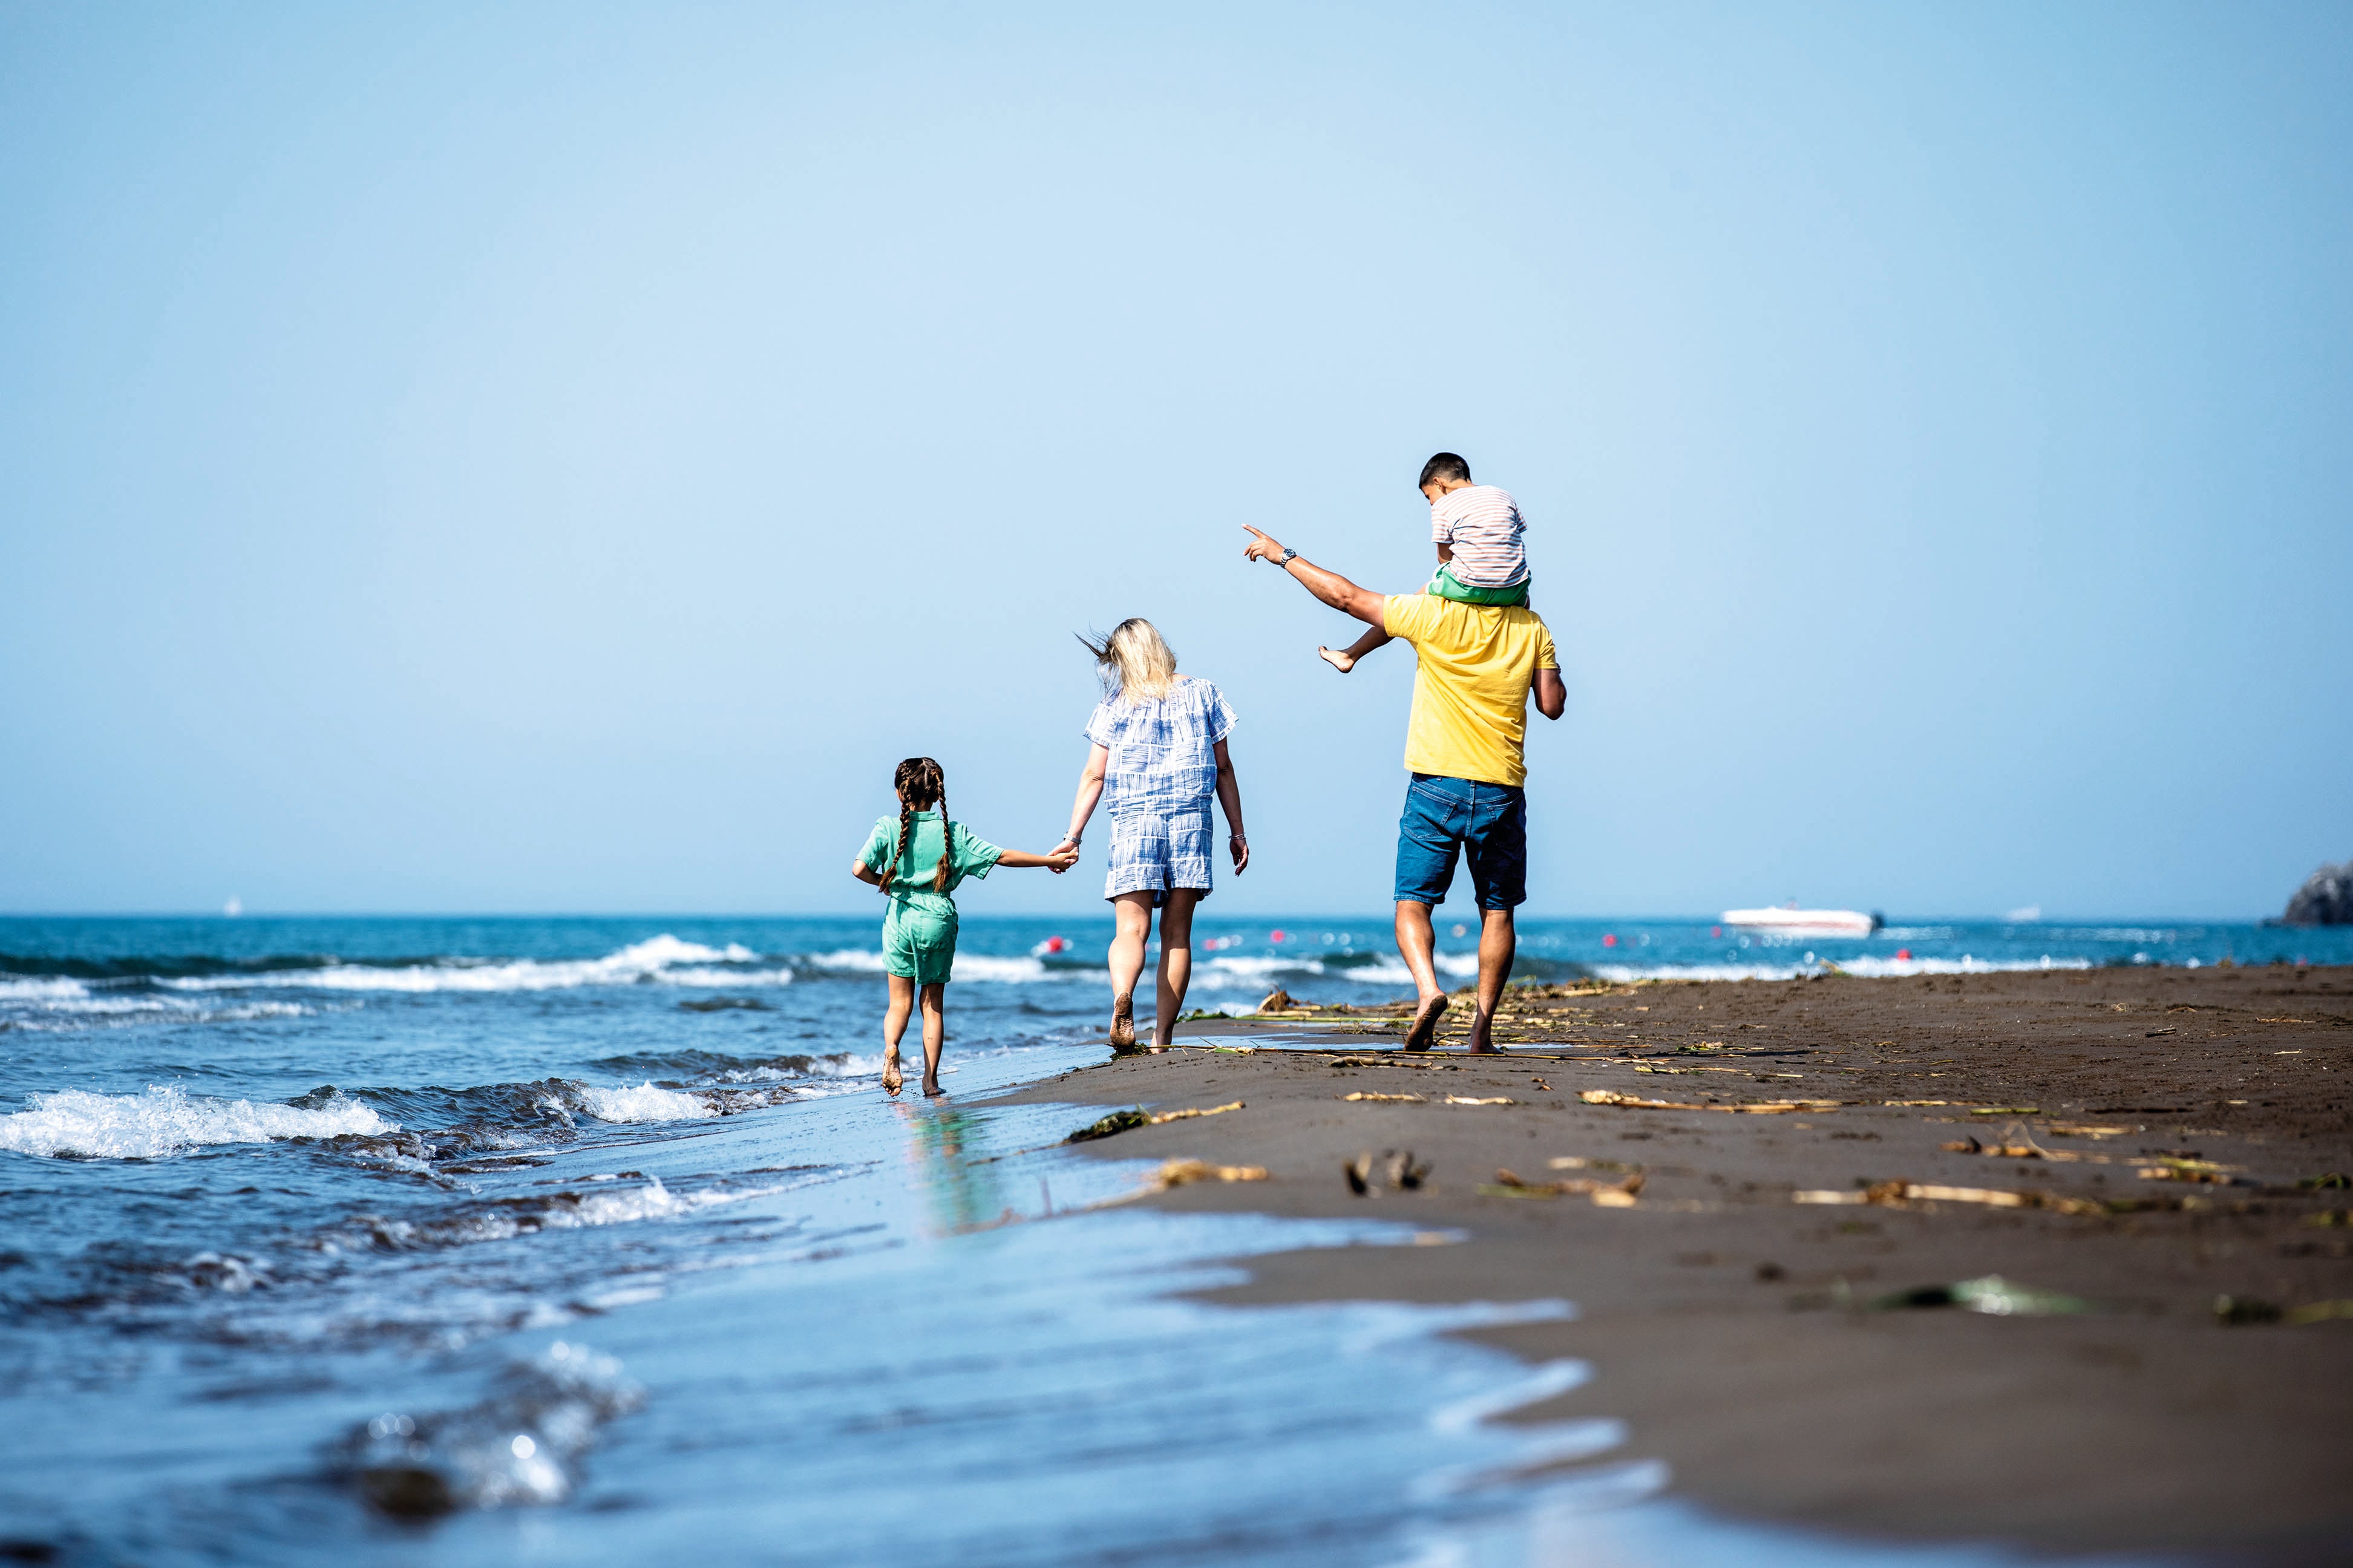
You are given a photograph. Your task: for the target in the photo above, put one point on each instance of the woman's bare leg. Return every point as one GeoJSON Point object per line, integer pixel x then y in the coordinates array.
{"type": "Point", "coordinates": [895, 1025]}
{"type": "Point", "coordinates": [1133, 913]}
{"type": "Point", "coordinates": [1175, 961]}
{"type": "Point", "coordinates": [1344, 660]}
{"type": "Point", "coordinates": [936, 1033]}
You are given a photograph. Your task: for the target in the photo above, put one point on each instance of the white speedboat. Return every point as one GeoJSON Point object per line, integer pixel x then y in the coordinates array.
{"type": "Point", "coordinates": [1794, 921]}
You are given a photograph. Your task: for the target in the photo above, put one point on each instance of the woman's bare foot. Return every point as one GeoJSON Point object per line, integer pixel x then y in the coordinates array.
{"type": "Point", "coordinates": [932, 1086]}
{"type": "Point", "coordinates": [1122, 1022]}
{"type": "Point", "coordinates": [890, 1079]}
{"type": "Point", "coordinates": [1337, 659]}
{"type": "Point", "coordinates": [1425, 1023]}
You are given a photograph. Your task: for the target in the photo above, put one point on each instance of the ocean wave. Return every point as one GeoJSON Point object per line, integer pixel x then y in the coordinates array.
{"type": "Point", "coordinates": [1862, 968]}
{"type": "Point", "coordinates": [40, 988]}
{"type": "Point", "coordinates": [644, 1103]}
{"type": "Point", "coordinates": [167, 1121]}
{"type": "Point", "coordinates": [650, 960]}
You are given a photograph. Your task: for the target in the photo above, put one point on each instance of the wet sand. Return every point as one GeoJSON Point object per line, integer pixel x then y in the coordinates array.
{"type": "Point", "coordinates": [1743, 1336]}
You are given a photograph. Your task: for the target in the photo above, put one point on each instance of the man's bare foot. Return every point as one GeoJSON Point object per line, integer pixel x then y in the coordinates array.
{"type": "Point", "coordinates": [1482, 1040]}
{"type": "Point", "coordinates": [932, 1086]}
{"type": "Point", "coordinates": [1337, 659]}
{"type": "Point", "coordinates": [890, 1079]}
{"type": "Point", "coordinates": [1122, 1022]}
{"type": "Point", "coordinates": [1425, 1023]}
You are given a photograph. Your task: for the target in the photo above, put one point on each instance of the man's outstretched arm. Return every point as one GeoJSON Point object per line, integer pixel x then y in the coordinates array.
{"type": "Point", "coordinates": [1329, 586]}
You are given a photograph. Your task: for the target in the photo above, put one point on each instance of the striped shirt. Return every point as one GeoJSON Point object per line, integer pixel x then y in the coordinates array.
{"type": "Point", "coordinates": [1482, 524]}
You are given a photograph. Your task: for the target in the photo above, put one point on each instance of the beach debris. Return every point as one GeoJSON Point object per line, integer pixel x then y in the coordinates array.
{"type": "Point", "coordinates": [1184, 1172]}
{"type": "Point", "coordinates": [2319, 1313]}
{"type": "Point", "coordinates": [2333, 1179]}
{"type": "Point", "coordinates": [2328, 1217]}
{"type": "Point", "coordinates": [2087, 1129]}
{"type": "Point", "coordinates": [1896, 1194]}
{"type": "Point", "coordinates": [1396, 1169]}
{"type": "Point", "coordinates": [1367, 1094]}
{"type": "Point", "coordinates": [1762, 1108]}
{"type": "Point", "coordinates": [1473, 1099]}
{"type": "Point", "coordinates": [1117, 1122]}
{"type": "Point", "coordinates": [1279, 1000]}
{"type": "Point", "coordinates": [1393, 1062]}
{"type": "Point", "coordinates": [1991, 1295]}
{"type": "Point", "coordinates": [2003, 1111]}
{"type": "Point", "coordinates": [1160, 1117]}
{"type": "Point", "coordinates": [1540, 1084]}
{"type": "Point", "coordinates": [2237, 1311]}
{"type": "Point", "coordinates": [1579, 1163]}
{"type": "Point", "coordinates": [2185, 1168]}
{"type": "Point", "coordinates": [1605, 1194]}
{"type": "Point", "coordinates": [2026, 1148]}
{"type": "Point", "coordinates": [1122, 1120]}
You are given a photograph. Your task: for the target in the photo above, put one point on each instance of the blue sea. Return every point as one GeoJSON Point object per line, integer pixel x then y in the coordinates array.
{"type": "Point", "coordinates": [595, 1241]}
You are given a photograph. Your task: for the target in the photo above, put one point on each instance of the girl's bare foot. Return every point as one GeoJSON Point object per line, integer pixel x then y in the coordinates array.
{"type": "Point", "coordinates": [890, 1079]}
{"type": "Point", "coordinates": [1425, 1023]}
{"type": "Point", "coordinates": [1337, 659]}
{"type": "Point", "coordinates": [1122, 1022]}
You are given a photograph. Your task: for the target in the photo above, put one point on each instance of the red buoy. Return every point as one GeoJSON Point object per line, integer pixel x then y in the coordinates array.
{"type": "Point", "coordinates": [1055, 944]}
{"type": "Point", "coordinates": [1278, 936]}
{"type": "Point", "coordinates": [1716, 930]}
{"type": "Point", "coordinates": [1905, 953]}
{"type": "Point", "coordinates": [1610, 940]}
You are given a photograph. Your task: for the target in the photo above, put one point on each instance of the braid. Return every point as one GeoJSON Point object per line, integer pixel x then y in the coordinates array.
{"type": "Point", "coordinates": [899, 855]}
{"type": "Point", "coordinates": [947, 833]}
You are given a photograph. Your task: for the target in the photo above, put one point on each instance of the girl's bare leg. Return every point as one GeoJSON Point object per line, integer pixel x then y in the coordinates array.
{"type": "Point", "coordinates": [1133, 913]}
{"type": "Point", "coordinates": [1344, 660]}
{"type": "Point", "coordinates": [1175, 961]}
{"type": "Point", "coordinates": [895, 1025]}
{"type": "Point", "coordinates": [935, 1031]}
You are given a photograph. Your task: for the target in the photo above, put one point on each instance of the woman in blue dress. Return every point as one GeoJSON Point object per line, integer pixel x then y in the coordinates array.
{"type": "Point", "coordinates": [1160, 755]}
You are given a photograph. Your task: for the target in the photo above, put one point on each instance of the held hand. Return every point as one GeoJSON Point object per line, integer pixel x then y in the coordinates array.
{"type": "Point", "coordinates": [1062, 857]}
{"type": "Point", "coordinates": [1261, 547]}
{"type": "Point", "coordinates": [1239, 845]}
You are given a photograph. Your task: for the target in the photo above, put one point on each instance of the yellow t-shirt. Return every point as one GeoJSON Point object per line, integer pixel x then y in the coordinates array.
{"type": "Point", "coordinates": [1470, 693]}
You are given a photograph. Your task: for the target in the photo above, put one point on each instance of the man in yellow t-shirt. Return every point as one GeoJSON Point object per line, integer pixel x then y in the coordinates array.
{"type": "Point", "coordinates": [1478, 664]}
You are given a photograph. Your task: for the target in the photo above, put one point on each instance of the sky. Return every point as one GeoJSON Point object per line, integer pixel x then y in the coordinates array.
{"type": "Point", "coordinates": [548, 457]}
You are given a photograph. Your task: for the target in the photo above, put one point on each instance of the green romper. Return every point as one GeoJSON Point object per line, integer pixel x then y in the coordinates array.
{"type": "Point", "coordinates": [919, 934]}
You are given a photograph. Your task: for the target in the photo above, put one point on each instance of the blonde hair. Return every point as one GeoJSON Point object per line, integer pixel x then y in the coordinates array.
{"type": "Point", "coordinates": [1134, 661]}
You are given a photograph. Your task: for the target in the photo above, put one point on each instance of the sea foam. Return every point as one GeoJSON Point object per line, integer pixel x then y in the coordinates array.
{"type": "Point", "coordinates": [644, 1103]}
{"type": "Point", "coordinates": [650, 960]}
{"type": "Point", "coordinates": [168, 1120]}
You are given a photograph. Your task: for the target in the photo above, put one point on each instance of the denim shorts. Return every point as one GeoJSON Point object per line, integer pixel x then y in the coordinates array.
{"type": "Point", "coordinates": [1489, 820]}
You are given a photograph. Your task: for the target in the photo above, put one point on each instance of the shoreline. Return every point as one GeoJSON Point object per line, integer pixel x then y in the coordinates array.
{"type": "Point", "coordinates": [1746, 1339]}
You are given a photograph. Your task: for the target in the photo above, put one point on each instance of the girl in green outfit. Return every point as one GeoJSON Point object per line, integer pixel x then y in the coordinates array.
{"type": "Point", "coordinates": [917, 861]}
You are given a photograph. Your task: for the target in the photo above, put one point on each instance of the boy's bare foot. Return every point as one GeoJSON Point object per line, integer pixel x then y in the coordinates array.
{"type": "Point", "coordinates": [1122, 1022]}
{"type": "Point", "coordinates": [1425, 1023]}
{"type": "Point", "coordinates": [890, 1078]}
{"type": "Point", "coordinates": [1337, 659]}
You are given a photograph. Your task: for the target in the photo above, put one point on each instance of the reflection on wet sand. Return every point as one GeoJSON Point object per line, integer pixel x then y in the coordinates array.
{"type": "Point", "coordinates": [961, 1194]}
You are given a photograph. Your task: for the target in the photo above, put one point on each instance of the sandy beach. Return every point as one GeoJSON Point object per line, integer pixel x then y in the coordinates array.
{"type": "Point", "coordinates": [2162, 1149]}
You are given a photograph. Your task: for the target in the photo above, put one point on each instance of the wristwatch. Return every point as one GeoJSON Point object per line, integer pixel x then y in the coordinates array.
{"type": "Point", "coordinates": [1289, 555]}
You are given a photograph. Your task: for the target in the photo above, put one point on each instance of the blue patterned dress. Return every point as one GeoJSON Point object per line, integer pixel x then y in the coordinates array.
{"type": "Point", "coordinates": [1157, 787]}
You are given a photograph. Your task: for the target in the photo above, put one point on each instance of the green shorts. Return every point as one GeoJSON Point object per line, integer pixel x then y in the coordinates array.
{"type": "Point", "coordinates": [1446, 585]}
{"type": "Point", "coordinates": [918, 945]}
